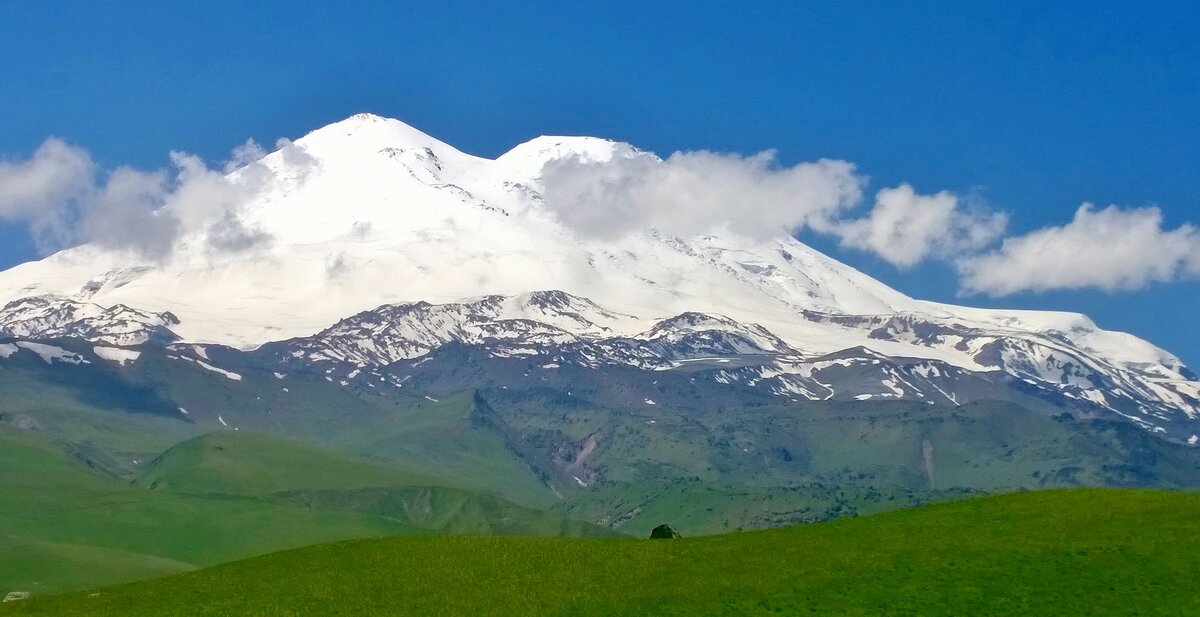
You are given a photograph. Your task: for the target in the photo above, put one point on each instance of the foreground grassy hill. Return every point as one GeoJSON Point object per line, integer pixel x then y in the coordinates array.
{"type": "Point", "coordinates": [1075, 552]}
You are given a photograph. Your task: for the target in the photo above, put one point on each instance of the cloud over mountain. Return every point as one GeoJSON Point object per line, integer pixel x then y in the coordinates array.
{"type": "Point", "coordinates": [696, 192]}
{"type": "Point", "coordinates": [66, 200]}
{"type": "Point", "coordinates": [37, 190]}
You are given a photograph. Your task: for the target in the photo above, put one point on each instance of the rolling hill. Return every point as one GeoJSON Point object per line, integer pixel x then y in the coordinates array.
{"type": "Point", "coordinates": [65, 525]}
{"type": "Point", "coordinates": [1076, 552]}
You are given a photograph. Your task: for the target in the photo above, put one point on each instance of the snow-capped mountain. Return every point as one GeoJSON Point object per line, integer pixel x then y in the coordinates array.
{"type": "Point", "coordinates": [552, 325]}
{"type": "Point", "coordinates": [53, 317]}
{"type": "Point", "coordinates": [374, 243]}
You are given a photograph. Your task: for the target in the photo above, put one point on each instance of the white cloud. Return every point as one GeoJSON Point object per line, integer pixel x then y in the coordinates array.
{"type": "Point", "coordinates": [125, 213]}
{"type": "Point", "coordinates": [905, 228]}
{"type": "Point", "coordinates": [59, 193]}
{"type": "Point", "coordinates": [1112, 249]}
{"type": "Point", "coordinates": [35, 191]}
{"type": "Point", "coordinates": [65, 200]}
{"type": "Point", "coordinates": [696, 192]}
{"type": "Point", "coordinates": [243, 155]}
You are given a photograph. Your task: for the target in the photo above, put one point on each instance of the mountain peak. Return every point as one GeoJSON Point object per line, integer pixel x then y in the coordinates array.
{"type": "Point", "coordinates": [370, 133]}
{"type": "Point", "coordinates": [528, 158]}
{"type": "Point", "coordinates": [367, 116]}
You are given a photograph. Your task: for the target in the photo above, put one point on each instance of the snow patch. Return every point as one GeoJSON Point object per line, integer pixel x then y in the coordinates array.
{"type": "Point", "coordinates": [50, 354]}
{"type": "Point", "coordinates": [118, 355]}
{"type": "Point", "coordinates": [224, 373]}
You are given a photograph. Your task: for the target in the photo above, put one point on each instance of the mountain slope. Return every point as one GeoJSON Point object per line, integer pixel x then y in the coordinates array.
{"type": "Point", "coordinates": [247, 463]}
{"type": "Point", "coordinates": [447, 226]}
{"type": "Point", "coordinates": [285, 471]}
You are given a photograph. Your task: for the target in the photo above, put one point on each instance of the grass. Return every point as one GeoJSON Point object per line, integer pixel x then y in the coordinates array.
{"type": "Point", "coordinates": [215, 498]}
{"type": "Point", "coordinates": [1073, 552]}
{"type": "Point", "coordinates": [79, 413]}
{"type": "Point", "coordinates": [249, 463]}
{"type": "Point", "coordinates": [39, 566]}
{"type": "Point", "coordinates": [284, 471]}
{"type": "Point", "coordinates": [63, 526]}
{"type": "Point", "coordinates": [438, 439]}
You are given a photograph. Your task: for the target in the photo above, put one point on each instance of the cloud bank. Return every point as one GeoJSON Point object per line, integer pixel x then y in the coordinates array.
{"type": "Point", "coordinates": [64, 198]}
{"type": "Point", "coordinates": [697, 192]}
{"type": "Point", "coordinates": [691, 193]}
{"type": "Point", "coordinates": [1112, 249]}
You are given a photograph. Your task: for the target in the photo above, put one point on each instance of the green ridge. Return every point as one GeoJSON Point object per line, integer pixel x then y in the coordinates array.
{"type": "Point", "coordinates": [250, 463]}
{"type": "Point", "coordinates": [285, 471]}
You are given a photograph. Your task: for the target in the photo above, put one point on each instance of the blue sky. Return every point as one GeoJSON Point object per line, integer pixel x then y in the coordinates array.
{"type": "Point", "coordinates": [1028, 108]}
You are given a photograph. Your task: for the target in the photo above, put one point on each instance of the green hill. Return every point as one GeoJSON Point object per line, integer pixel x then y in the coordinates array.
{"type": "Point", "coordinates": [250, 463]}
{"type": "Point", "coordinates": [288, 472]}
{"type": "Point", "coordinates": [65, 524]}
{"type": "Point", "coordinates": [1074, 552]}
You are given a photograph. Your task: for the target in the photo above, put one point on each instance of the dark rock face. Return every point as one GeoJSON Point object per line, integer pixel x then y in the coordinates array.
{"type": "Point", "coordinates": [664, 532]}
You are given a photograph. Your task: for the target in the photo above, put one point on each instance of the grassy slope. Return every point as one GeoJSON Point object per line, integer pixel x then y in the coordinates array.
{"type": "Point", "coordinates": [124, 412]}
{"type": "Point", "coordinates": [1095, 552]}
{"type": "Point", "coordinates": [63, 526]}
{"type": "Point", "coordinates": [39, 566]}
{"type": "Point", "coordinates": [841, 458]}
{"type": "Point", "coordinates": [248, 463]}
{"type": "Point", "coordinates": [244, 463]}
{"type": "Point", "coordinates": [86, 412]}
{"type": "Point", "coordinates": [439, 439]}
{"type": "Point", "coordinates": [218, 497]}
